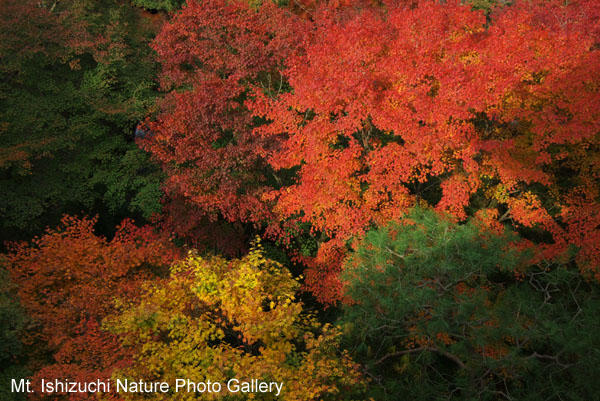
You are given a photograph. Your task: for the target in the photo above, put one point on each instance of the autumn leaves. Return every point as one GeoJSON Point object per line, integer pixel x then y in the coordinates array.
{"type": "Point", "coordinates": [382, 150]}
{"type": "Point", "coordinates": [350, 117]}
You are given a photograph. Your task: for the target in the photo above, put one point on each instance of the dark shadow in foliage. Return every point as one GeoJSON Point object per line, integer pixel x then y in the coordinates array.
{"type": "Point", "coordinates": [13, 322]}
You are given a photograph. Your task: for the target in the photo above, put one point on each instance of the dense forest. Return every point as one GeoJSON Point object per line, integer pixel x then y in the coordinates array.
{"type": "Point", "coordinates": [342, 200]}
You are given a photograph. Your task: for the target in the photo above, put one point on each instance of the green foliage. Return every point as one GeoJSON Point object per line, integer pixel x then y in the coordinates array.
{"type": "Point", "coordinates": [446, 311]}
{"type": "Point", "coordinates": [163, 5]}
{"type": "Point", "coordinates": [488, 5]}
{"type": "Point", "coordinates": [69, 104]}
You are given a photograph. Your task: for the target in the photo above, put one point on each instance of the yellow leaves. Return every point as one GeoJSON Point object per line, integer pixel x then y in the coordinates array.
{"type": "Point", "coordinates": [500, 193]}
{"type": "Point", "coordinates": [218, 319]}
{"type": "Point", "coordinates": [403, 365]}
{"type": "Point", "coordinates": [470, 58]}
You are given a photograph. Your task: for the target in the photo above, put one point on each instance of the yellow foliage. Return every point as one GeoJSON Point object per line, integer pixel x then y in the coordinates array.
{"type": "Point", "coordinates": [216, 319]}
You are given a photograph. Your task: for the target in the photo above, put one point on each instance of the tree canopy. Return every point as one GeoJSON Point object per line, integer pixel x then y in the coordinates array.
{"type": "Point", "coordinates": [423, 175]}
{"type": "Point", "coordinates": [444, 311]}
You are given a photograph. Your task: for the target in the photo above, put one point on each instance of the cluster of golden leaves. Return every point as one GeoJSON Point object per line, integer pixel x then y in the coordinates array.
{"type": "Point", "coordinates": [216, 319]}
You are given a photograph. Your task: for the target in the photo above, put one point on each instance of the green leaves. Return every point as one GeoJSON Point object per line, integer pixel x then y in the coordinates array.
{"type": "Point", "coordinates": [163, 5]}
{"type": "Point", "coordinates": [68, 108]}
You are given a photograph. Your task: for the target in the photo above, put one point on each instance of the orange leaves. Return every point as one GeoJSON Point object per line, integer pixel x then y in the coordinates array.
{"type": "Point", "coordinates": [528, 211]}
{"type": "Point", "coordinates": [431, 91]}
{"type": "Point", "coordinates": [346, 119]}
{"type": "Point", "coordinates": [68, 279]}
{"type": "Point", "coordinates": [583, 219]}
{"type": "Point", "coordinates": [456, 196]}
{"type": "Point", "coordinates": [389, 69]}
{"type": "Point", "coordinates": [213, 53]}
{"type": "Point", "coordinates": [322, 273]}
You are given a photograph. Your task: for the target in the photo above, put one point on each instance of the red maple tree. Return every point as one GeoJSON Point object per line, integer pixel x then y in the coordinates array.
{"type": "Point", "coordinates": [212, 53]}
{"type": "Point", "coordinates": [388, 102]}
{"type": "Point", "coordinates": [68, 280]}
{"type": "Point", "coordinates": [381, 106]}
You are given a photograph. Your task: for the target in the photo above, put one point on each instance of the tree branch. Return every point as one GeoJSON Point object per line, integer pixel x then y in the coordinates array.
{"type": "Point", "coordinates": [550, 358]}
{"type": "Point", "coordinates": [447, 354]}
{"type": "Point", "coordinates": [399, 353]}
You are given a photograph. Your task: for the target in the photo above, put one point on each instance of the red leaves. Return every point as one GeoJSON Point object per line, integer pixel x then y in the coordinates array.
{"type": "Point", "coordinates": [218, 39]}
{"type": "Point", "coordinates": [213, 53]}
{"type": "Point", "coordinates": [68, 279]}
{"type": "Point", "coordinates": [456, 193]}
{"type": "Point", "coordinates": [431, 91]}
{"type": "Point", "coordinates": [384, 104]}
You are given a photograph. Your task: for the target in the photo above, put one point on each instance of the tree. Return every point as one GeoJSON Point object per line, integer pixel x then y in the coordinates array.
{"type": "Point", "coordinates": [77, 77]}
{"type": "Point", "coordinates": [438, 310]}
{"type": "Point", "coordinates": [67, 280]}
{"type": "Point", "coordinates": [163, 5]}
{"type": "Point", "coordinates": [13, 323]}
{"type": "Point", "coordinates": [216, 320]}
{"type": "Point", "coordinates": [212, 54]}
{"type": "Point", "coordinates": [430, 102]}
{"type": "Point", "coordinates": [345, 117]}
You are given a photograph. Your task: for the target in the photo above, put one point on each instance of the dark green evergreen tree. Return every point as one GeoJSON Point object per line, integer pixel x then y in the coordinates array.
{"type": "Point", "coordinates": [455, 312]}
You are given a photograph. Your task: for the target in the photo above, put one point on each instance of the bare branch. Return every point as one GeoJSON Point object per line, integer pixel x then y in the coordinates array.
{"type": "Point", "coordinates": [550, 358]}
{"type": "Point", "coordinates": [445, 353]}
{"type": "Point", "coordinates": [399, 353]}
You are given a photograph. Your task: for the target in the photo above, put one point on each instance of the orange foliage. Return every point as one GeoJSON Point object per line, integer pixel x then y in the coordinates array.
{"type": "Point", "coordinates": [369, 108]}
{"type": "Point", "coordinates": [67, 281]}
{"type": "Point", "coordinates": [385, 103]}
